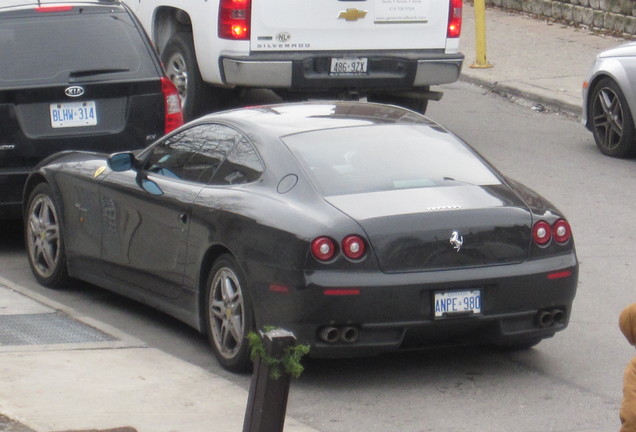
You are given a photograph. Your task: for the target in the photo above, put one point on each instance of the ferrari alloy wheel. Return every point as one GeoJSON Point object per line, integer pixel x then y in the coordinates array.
{"type": "Point", "coordinates": [229, 314]}
{"type": "Point", "coordinates": [44, 239]}
{"type": "Point", "coordinates": [612, 123]}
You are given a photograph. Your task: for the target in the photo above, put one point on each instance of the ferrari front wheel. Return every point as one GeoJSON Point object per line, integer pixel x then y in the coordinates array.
{"type": "Point", "coordinates": [229, 314]}
{"type": "Point", "coordinates": [44, 238]}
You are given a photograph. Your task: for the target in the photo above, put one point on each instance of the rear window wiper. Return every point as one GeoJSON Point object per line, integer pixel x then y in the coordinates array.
{"type": "Point", "coordinates": [93, 72]}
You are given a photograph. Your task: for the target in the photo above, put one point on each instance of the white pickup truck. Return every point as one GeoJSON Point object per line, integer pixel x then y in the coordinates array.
{"type": "Point", "coordinates": [384, 50]}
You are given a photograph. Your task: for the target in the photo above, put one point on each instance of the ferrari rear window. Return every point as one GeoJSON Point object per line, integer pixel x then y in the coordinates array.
{"type": "Point", "coordinates": [386, 157]}
{"type": "Point", "coordinates": [73, 46]}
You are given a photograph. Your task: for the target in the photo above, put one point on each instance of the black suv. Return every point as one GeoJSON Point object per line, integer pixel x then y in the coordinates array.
{"type": "Point", "coordinates": [75, 75]}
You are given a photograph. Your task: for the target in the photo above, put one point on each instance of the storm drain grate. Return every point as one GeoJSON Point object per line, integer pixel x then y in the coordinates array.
{"type": "Point", "coordinates": [47, 328]}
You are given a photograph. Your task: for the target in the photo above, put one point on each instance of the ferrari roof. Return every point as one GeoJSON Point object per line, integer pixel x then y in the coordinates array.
{"type": "Point", "coordinates": [286, 119]}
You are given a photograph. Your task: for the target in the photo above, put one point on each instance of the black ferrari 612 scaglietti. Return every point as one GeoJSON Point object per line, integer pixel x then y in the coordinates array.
{"type": "Point", "coordinates": [361, 228]}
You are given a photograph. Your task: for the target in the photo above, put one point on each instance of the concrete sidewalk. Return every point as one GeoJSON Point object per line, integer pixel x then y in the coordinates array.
{"type": "Point", "coordinates": [63, 372]}
{"type": "Point", "coordinates": [534, 59]}
{"type": "Point", "coordinates": [88, 376]}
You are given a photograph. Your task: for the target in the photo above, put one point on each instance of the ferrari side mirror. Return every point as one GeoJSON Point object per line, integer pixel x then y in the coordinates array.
{"type": "Point", "coordinates": [121, 161]}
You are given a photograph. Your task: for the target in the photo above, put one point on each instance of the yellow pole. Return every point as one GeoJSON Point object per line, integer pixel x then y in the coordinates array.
{"type": "Point", "coordinates": [480, 36]}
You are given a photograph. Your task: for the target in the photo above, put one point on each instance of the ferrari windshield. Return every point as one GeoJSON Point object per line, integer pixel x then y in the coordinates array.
{"type": "Point", "coordinates": [386, 157]}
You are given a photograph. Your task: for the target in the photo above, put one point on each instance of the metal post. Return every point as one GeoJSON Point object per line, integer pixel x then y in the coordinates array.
{"type": "Point", "coordinates": [267, 400]}
{"type": "Point", "coordinates": [480, 36]}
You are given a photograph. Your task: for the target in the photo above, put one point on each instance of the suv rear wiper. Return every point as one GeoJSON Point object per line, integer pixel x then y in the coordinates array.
{"type": "Point", "coordinates": [93, 72]}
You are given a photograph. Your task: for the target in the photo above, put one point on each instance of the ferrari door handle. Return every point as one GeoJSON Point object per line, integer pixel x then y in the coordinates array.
{"type": "Point", "coordinates": [183, 218]}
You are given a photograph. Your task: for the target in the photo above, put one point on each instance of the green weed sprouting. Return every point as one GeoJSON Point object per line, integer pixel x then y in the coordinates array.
{"type": "Point", "coordinates": [289, 362]}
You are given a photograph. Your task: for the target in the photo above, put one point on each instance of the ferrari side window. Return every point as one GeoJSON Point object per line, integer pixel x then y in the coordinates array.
{"type": "Point", "coordinates": [193, 154]}
{"type": "Point", "coordinates": [215, 143]}
{"type": "Point", "coordinates": [243, 165]}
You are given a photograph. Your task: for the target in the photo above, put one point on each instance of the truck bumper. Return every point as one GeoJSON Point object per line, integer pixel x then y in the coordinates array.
{"type": "Point", "coordinates": [311, 71]}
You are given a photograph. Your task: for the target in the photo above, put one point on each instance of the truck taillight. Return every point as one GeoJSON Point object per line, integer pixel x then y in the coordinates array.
{"type": "Point", "coordinates": [172, 106]}
{"type": "Point", "coordinates": [234, 19]}
{"type": "Point", "coordinates": [455, 19]}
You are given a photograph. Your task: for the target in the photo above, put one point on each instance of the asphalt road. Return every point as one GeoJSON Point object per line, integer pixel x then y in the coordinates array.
{"type": "Point", "coordinates": [567, 383]}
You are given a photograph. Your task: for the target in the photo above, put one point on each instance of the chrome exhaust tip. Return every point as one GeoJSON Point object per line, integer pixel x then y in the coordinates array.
{"type": "Point", "coordinates": [558, 315]}
{"type": "Point", "coordinates": [349, 334]}
{"type": "Point", "coordinates": [329, 334]}
{"type": "Point", "coordinates": [545, 318]}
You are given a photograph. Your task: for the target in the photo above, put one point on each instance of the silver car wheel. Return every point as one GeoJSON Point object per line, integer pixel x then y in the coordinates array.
{"type": "Point", "coordinates": [608, 117]}
{"type": "Point", "coordinates": [43, 236]}
{"type": "Point", "coordinates": [227, 313]}
{"type": "Point", "coordinates": [177, 71]}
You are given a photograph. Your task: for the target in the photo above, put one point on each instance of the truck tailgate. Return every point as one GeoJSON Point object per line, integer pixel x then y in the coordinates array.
{"type": "Point", "coordinates": [310, 25]}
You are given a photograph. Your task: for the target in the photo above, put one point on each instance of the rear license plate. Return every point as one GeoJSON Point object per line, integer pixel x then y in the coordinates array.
{"type": "Point", "coordinates": [348, 66]}
{"type": "Point", "coordinates": [449, 303]}
{"type": "Point", "coordinates": [73, 114]}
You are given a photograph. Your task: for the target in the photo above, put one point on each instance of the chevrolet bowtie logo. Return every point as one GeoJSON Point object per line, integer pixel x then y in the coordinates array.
{"type": "Point", "coordinates": [352, 14]}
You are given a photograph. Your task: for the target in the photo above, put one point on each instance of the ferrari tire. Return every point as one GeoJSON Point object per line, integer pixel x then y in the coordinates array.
{"type": "Point", "coordinates": [611, 120]}
{"type": "Point", "coordinates": [44, 238]}
{"type": "Point", "coordinates": [229, 314]}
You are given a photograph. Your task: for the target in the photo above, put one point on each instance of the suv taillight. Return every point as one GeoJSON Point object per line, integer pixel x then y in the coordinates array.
{"type": "Point", "coordinates": [454, 19]}
{"type": "Point", "coordinates": [172, 105]}
{"type": "Point", "coordinates": [234, 19]}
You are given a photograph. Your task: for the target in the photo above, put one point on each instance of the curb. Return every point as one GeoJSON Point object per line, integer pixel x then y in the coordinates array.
{"type": "Point", "coordinates": [513, 93]}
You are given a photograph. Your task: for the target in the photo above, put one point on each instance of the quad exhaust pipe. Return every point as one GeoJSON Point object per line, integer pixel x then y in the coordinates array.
{"type": "Point", "coordinates": [332, 334]}
{"type": "Point", "coordinates": [550, 317]}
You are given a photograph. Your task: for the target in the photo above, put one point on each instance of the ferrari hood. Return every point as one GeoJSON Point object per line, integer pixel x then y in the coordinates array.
{"type": "Point", "coordinates": [441, 227]}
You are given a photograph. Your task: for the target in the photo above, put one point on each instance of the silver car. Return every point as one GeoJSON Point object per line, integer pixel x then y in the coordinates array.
{"type": "Point", "coordinates": [609, 101]}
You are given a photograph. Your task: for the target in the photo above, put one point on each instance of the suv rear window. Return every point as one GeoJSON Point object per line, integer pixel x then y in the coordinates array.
{"type": "Point", "coordinates": [74, 46]}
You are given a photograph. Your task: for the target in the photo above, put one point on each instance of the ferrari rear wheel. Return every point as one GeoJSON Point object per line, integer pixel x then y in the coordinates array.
{"type": "Point", "coordinates": [612, 123]}
{"type": "Point", "coordinates": [229, 314]}
{"type": "Point", "coordinates": [44, 238]}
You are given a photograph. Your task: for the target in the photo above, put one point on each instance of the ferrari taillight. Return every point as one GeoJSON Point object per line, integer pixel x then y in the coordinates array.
{"type": "Point", "coordinates": [172, 105]}
{"type": "Point", "coordinates": [323, 248]}
{"type": "Point", "coordinates": [234, 19]}
{"type": "Point", "coordinates": [561, 231]}
{"type": "Point", "coordinates": [353, 247]}
{"type": "Point", "coordinates": [542, 233]}
{"type": "Point", "coordinates": [454, 19]}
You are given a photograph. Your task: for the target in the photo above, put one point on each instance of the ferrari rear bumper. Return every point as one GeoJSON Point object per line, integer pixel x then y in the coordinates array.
{"type": "Point", "coordinates": [352, 314]}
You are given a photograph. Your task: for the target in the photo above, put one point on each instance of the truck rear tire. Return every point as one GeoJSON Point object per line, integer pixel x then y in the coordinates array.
{"type": "Point", "coordinates": [197, 97]}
